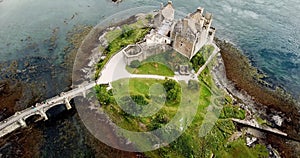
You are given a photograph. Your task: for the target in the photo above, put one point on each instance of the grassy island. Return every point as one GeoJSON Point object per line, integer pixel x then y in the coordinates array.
{"type": "Point", "coordinates": [211, 132]}
{"type": "Point", "coordinates": [217, 141]}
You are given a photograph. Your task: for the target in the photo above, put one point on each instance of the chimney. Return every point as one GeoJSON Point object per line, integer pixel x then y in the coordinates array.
{"type": "Point", "coordinates": [208, 16]}
{"type": "Point", "coordinates": [185, 23]}
{"type": "Point", "coordinates": [200, 10]}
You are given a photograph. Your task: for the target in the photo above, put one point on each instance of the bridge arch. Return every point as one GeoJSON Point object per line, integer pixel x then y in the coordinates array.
{"type": "Point", "coordinates": [56, 109]}
{"type": "Point", "coordinates": [78, 98]}
{"type": "Point", "coordinates": [33, 118]}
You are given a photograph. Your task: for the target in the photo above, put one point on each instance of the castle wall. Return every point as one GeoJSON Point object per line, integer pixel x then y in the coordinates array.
{"type": "Point", "coordinates": [183, 46]}
{"type": "Point", "coordinates": [211, 35]}
{"type": "Point", "coordinates": [158, 19]}
{"type": "Point", "coordinates": [201, 41]}
{"type": "Point", "coordinates": [146, 52]}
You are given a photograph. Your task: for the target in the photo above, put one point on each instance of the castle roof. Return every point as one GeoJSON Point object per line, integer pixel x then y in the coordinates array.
{"type": "Point", "coordinates": [197, 15]}
{"type": "Point", "coordinates": [168, 11]}
{"type": "Point", "coordinates": [208, 16]}
{"type": "Point", "coordinates": [189, 23]}
{"type": "Point", "coordinates": [165, 28]}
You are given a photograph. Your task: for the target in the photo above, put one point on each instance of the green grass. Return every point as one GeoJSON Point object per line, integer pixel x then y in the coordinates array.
{"type": "Point", "coordinates": [189, 144]}
{"type": "Point", "coordinates": [171, 59]}
{"type": "Point", "coordinates": [239, 149]}
{"type": "Point", "coordinates": [134, 87]}
{"type": "Point", "coordinates": [230, 111]}
{"type": "Point", "coordinates": [199, 59]}
{"type": "Point", "coordinates": [152, 68]}
{"type": "Point", "coordinates": [112, 35]}
{"type": "Point", "coordinates": [261, 121]}
{"type": "Point", "coordinates": [215, 142]}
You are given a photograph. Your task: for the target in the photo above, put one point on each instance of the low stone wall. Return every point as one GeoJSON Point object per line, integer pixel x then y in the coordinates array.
{"type": "Point", "coordinates": [146, 51]}
{"type": "Point", "coordinates": [129, 59]}
{"type": "Point", "coordinates": [156, 49]}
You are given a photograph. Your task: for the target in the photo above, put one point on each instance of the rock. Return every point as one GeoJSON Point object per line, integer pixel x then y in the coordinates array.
{"type": "Point", "coordinates": [2, 87]}
{"type": "Point", "coordinates": [117, 1]}
{"type": "Point", "coordinates": [250, 141]}
{"type": "Point", "coordinates": [278, 120]}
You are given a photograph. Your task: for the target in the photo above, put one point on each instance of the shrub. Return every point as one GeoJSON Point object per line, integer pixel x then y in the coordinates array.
{"type": "Point", "coordinates": [103, 96]}
{"type": "Point", "coordinates": [135, 64]}
{"type": "Point", "coordinates": [172, 89]}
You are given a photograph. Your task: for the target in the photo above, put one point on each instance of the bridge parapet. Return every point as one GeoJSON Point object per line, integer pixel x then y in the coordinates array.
{"type": "Point", "coordinates": [22, 122]}
{"type": "Point", "coordinates": [8, 129]}
{"type": "Point", "coordinates": [68, 105]}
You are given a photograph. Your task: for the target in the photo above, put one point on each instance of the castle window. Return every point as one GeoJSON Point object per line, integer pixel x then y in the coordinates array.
{"type": "Point", "coordinates": [169, 34]}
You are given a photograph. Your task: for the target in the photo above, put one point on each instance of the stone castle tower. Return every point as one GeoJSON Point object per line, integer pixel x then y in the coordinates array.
{"type": "Point", "coordinates": [191, 33]}
{"type": "Point", "coordinates": [187, 35]}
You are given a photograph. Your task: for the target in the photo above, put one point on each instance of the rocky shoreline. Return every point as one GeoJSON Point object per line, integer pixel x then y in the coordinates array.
{"type": "Point", "coordinates": [235, 74]}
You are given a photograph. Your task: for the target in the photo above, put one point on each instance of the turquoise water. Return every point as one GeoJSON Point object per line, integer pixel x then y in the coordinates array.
{"type": "Point", "coordinates": [268, 32]}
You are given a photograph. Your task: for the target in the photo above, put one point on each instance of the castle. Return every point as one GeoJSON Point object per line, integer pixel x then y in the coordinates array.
{"type": "Point", "coordinates": [186, 36]}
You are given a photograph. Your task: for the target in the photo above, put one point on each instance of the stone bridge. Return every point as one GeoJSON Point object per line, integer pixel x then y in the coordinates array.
{"type": "Point", "coordinates": [18, 120]}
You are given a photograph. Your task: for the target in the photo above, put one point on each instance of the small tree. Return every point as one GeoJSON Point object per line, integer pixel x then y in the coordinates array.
{"type": "Point", "coordinates": [135, 64]}
{"type": "Point", "coordinates": [149, 17]}
{"type": "Point", "coordinates": [172, 88]}
{"type": "Point", "coordinates": [103, 96]}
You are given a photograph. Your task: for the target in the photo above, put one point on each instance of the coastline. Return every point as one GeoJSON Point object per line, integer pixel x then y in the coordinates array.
{"type": "Point", "coordinates": [243, 81]}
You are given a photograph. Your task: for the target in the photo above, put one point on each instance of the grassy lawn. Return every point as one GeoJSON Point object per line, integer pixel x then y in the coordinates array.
{"type": "Point", "coordinates": [170, 58]}
{"type": "Point", "coordinates": [112, 35]}
{"type": "Point", "coordinates": [138, 87]}
{"type": "Point", "coordinates": [189, 144]}
{"type": "Point", "coordinates": [153, 68]}
{"type": "Point", "coordinates": [134, 86]}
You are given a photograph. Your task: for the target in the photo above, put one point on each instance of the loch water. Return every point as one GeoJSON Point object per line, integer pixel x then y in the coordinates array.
{"type": "Point", "coordinates": [267, 31]}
